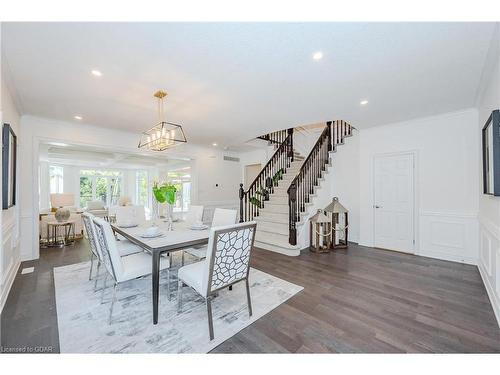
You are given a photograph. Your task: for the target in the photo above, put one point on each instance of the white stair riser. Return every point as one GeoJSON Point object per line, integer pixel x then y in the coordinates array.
{"type": "Point", "coordinates": [277, 249]}
{"type": "Point", "coordinates": [272, 216]}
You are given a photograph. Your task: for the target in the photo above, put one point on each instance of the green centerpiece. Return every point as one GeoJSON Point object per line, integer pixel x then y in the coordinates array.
{"type": "Point", "coordinates": [164, 192]}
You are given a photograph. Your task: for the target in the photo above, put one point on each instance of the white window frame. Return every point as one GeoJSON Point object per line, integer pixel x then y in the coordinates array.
{"type": "Point", "coordinates": [94, 178]}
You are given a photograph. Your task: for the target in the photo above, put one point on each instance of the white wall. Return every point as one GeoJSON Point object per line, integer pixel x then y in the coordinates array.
{"type": "Point", "coordinates": [345, 181]}
{"type": "Point", "coordinates": [489, 206]}
{"type": "Point", "coordinates": [258, 156]}
{"type": "Point", "coordinates": [208, 168]}
{"type": "Point", "coordinates": [9, 221]}
{"type": "Point", "coordinates": [447, 172]}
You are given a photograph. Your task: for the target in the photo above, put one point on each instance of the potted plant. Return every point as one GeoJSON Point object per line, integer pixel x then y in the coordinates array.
{"type": "Point", "coordinates": [163, 193]}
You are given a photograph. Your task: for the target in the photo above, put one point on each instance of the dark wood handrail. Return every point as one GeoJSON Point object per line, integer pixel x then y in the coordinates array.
{"type": "Point", "coordinates": [266, 180]}
{"type": "Point", "coordinates": [303, 184]}
{"type": "Point", "coordinates": [310, 156]}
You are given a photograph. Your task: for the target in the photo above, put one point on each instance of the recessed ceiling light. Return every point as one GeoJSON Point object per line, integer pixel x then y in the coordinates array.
{"type": "Point", "coordinates": [78, 117]}
{"type": "Point", "coordinates": [363, 102]}
{"type": "Point", "coordinates": [96, 73]}
{"type": "Point", "coordinates": [318, 55]}
{"type": "Point", "coordinates": [214, 144]}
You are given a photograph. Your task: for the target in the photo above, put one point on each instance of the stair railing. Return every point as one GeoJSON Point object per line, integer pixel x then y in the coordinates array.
{"type": "Point", "coordinates": [276, 138]}
{"type": "Point", "coordinates": [252, 200]}
{"type": "Point", "coordinates": [302, 186]}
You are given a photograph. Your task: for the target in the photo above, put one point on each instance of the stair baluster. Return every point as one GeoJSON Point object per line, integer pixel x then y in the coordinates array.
{"type": "Point", "coordinates": [252, 200]}
{"type": "Point", "coordinates": [312, 170]}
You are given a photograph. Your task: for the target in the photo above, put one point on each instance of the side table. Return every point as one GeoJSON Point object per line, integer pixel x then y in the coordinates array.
{"type": "Point", "coordinates": [53, 233]}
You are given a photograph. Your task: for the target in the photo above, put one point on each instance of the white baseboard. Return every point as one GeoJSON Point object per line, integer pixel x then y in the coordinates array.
{"type": "Point", "coordinates": [9, 280]}
{"type": "Point", "coordinates": [491, 293]}
{"type": "Point", "coordinates": [448, 257]}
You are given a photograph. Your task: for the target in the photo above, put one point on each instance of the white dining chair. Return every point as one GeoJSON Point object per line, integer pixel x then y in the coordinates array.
{"type": "Point", "coordinates": [227, 263]}
{"type": "Point", "coordinates": [125, 247]}
{"type": "Point", "coordinates": [133, 214]}
{"type": "Point", "coordinates": [122, 269]}
{"type": "Point", "coordinates": [222, 217]}
{"type": "Point", "coordinates": [194, 215]}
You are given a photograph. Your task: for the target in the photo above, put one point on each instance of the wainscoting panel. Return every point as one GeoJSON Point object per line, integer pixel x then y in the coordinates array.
{"type": "Point", "coordinates": [489, 261]}
{"type": "Point", "coordinates": [449, 236]}
{"type": "Point", "coordinates": [9, 261]}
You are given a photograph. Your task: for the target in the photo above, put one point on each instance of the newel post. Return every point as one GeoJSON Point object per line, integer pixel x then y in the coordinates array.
{"type": "Point", "coordinates": [290, 149]}
{"type": "Point", "coordinates": [242, 194]}
{"type": "Point", "coordinates": [292, 214]}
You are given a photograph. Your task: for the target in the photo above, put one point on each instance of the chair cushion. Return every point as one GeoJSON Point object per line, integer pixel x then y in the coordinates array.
{"type": "Point", "coordinates": [192, 275]}
{"type": "Point", "coordinates": [140, 264]}
{"type": "Point", "coordinates": [200, 253]}
{"type": "Point", "coordinates": [125, 247]}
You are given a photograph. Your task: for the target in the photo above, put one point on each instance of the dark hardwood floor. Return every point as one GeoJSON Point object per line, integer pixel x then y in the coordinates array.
{"type": "Point", "coordinates": [356, 300]}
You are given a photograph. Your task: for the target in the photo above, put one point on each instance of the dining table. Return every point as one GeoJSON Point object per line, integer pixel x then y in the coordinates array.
{"type": "Point", "coordinates": [174, 237]}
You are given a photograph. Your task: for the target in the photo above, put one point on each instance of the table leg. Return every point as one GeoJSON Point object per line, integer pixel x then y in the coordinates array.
{"type": "Point", "coordinates": [156, 284]}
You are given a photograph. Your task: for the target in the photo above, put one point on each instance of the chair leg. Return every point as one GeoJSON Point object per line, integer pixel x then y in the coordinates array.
{"type": "Point", "coordinates": [179, 296]}
{"type": "Point", "coordinates": [104, 288]}
{"type": "Point", "coordinates": [91, 265]}
{"type": "Point", "coordinates": [182, 259]}
{"type": "Point", "coordinates": [248, 298]}
{"type": "Point", "coordinates": [112, 302]}
{"type": "Point", "coordinates": [97, 274]}
{"type": "Point", "coordinates": [210, 320]}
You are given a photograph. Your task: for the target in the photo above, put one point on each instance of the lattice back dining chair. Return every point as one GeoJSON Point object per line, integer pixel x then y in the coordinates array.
{"type": "Point", "coordinates": [122, 269]}
{"type": "Point", "coordinates": [227, 263]}
{"type": "Point", "coordinates": [222, 217]}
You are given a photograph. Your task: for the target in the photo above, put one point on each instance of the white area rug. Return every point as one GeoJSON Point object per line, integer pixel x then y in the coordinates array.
{"type": "Point", "coordinates": [83, 320]}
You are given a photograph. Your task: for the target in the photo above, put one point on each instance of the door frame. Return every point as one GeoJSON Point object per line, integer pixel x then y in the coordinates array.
{"type": "Point", "coordinates": [416, 203]}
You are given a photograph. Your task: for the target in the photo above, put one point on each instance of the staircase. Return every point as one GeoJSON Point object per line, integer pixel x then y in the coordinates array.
{"type": "Point", "coordinates": [282, 194]}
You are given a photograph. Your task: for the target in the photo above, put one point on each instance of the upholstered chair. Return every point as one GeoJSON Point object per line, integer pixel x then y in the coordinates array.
{"type": "Point", "coordinates": [132, 214]}
{"type": "Point", "coordinates": [227, 262]}
{"type": "Point", "coordinates": [125, 247]}
{"type": "Point", "coordinates": [122, 269]}
{"type": "Point", "coordinates": [222, 217]}
{"type": "Point", "coordinates": [194, 215]}
{"type": "Point", "coordinates": [97, 208]}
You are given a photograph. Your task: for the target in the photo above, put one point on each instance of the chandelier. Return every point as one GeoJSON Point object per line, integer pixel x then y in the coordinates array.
{"type": "Point", "coordinates": [163, 135]}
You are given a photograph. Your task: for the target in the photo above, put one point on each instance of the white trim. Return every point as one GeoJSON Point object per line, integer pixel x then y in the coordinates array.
{"type": "Point", "coordinates": [414, 154]}
{"type": "Point", "coordinates": [8, 284]}
{"type": "Point", "coordinates": [449, 214]}
{"type": "Point", "coordinates": [8, 279]}
{"type": "Point", "coordinates": [490, 228]}
{"type": "Point", "coordinates": [495, 304]}
{"type": "Point", "coordinates": [465, 252]}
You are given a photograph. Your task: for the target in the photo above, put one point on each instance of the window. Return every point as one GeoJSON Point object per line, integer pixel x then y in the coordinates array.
{"type": "Point", "coordinates": [141, 188]}
{"type": "Point", "coordinates": [181, 179]}
{"type": "Point", "coordinates": [103, 185]}
{"type": "Point", "coordinates": [56, 177]}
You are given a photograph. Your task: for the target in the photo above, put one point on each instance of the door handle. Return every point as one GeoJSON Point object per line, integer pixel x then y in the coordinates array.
{"type": "Point", "coordinates": [375, 206]}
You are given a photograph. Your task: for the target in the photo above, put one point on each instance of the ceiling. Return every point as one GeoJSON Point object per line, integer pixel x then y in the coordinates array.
{"type": "Point", "coordinates": [229, 82]}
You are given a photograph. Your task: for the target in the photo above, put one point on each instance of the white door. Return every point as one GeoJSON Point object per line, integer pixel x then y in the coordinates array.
{"type": "Point", "coordinates": [394, 198]}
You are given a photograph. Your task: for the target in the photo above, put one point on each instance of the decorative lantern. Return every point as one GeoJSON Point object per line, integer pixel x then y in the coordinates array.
{"type": "Point", "coordinates": [320, 233]}
{"type": "Point", "coordinates": [340, 223]}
